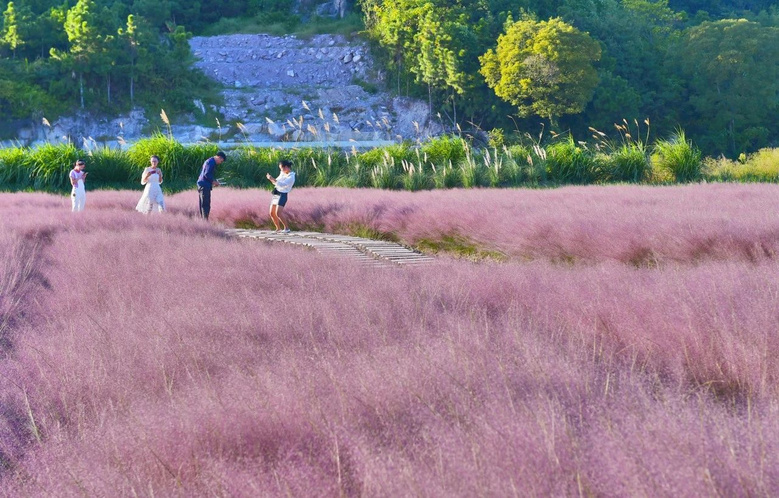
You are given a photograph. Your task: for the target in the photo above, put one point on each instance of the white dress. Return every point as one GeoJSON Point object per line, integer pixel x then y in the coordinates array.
{"type": "Point", "coordinates": [152, 194]}
{"type": "Point", "coordinates": [78, 194]}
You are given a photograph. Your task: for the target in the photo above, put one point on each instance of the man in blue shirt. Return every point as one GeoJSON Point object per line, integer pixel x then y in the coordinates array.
{"type": "Point", "coordinates": [207, 180]}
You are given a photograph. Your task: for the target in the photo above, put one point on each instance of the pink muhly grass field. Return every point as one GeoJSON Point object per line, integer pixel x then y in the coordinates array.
{"type": "Point", "coordinates": [155, 356]}
{"type": "Point", "coordinates": [627, 224]}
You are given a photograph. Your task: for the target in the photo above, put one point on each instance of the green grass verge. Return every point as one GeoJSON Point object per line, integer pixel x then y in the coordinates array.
{"type": "Point", "coordinates": [460, 247]}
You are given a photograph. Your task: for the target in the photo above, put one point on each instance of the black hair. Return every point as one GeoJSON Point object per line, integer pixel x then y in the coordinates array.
{"type": "Point", "coordinates": [286, 163]}
{"type": "Point", "coordinates": [222, 155]}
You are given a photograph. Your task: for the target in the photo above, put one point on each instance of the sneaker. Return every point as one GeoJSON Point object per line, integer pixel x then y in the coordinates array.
{"type": "Point", "coordinates": [286, 230]}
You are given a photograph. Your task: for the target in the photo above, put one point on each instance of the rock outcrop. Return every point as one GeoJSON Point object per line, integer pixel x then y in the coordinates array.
{"type": "Point", "coordinates": [275, 89]}
{"type": "Point", "coordinates": [323, 88]}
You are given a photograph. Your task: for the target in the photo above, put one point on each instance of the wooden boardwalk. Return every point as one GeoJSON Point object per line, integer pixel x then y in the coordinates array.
{"type": "Point", "coordinates": [364, 251]}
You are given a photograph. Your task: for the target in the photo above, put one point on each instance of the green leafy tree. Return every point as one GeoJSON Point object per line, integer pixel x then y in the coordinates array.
{"type": "Point", "coordinates": [156, 12]}
{"type": "Point", "coordinates": [393, 24]}
{"type": "Point", "coordinates": [50, 29]}
{"type": "Point", "coordinates": [732, 72]}
{"type": "Point", "coordinates": [16, 26]}
{"type": "Point", "coordinates": [435, 44]}
{"type": "Point", "coordinates": [135, 38]}
{"type": "Point", "coordinates": [634, 82]}
{"type": "Point", "coordinates": [109, 57]}
{"type": "Point", "coordinates": [93, 46]}
{"type": "Point", "coordinates": [81, 30]}
{"type": "Point", "coordinates": [544, 68]}
{"type": "Point", "coordinates": [438, 61]}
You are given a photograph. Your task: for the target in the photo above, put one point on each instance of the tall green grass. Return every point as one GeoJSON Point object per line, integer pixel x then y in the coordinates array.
{"type": "Point", "coordinates": [247, 166]}
{"type": "Point", "coordinates": [112, 167]}
{"type": "Point", "coordinates": [678, 157]}
{"type": "Point", "coordinates": [570, 162]}
{"type": "Point", "coordinates": [49, 165]}
{"type": "Point", "coordinates": [444, 162]}
{"type": "Point", "coordinates": [15, 171]}
{"type": "Point", "coordinates": [178, 162]}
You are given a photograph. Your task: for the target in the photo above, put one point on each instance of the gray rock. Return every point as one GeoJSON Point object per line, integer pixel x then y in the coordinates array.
{"type": "Point", "coordinates": [276, 131]}
{"type": "Point", "coordinates": [322, 73]}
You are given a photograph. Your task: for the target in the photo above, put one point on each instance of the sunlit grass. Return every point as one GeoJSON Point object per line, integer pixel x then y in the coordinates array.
{"type": "Point", "coordinates": [282, 371]}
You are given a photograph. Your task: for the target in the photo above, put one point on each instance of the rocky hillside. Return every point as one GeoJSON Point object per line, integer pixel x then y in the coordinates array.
{"type": "Point", "coordinates": [275, 89]}
{"type": "Point", "coordinates": [286, 88]}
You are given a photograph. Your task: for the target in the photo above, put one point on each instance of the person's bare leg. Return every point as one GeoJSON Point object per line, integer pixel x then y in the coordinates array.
{"type": "Point", "coordinates": [279, 210]}
{"type": "Point", "coordinates": [273, 216]}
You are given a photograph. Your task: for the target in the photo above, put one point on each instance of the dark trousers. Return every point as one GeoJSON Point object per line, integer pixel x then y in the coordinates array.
{"type": "Point", "coordinates": [205, 201]}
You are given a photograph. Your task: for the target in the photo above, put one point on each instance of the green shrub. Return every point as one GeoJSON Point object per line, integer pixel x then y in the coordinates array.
{"type": "Point", "coordinates": [679, 157]}
{"type": "Point", "coordinates": [348, 25]}
{"type": "Point", "coordinates": [446, 176]}
{"type": "Point", "coordinates": [762, 166]}
{"type": "Point", "coordinates": [627, 163]}
{"type": "Point", "coordinates": [49, 165]}
{"type": "Point", "coordinates": [397, 153]}
{"type": "Point", "coordinates": [442, 150]}
{"type": "Point", "coordinates": [111, 166]}
{"type": "Point", "coordinates": [15, 173]}
{"type": "Point", "coordinates": [567, 162]}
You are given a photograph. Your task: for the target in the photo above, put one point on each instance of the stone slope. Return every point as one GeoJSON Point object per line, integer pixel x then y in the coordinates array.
{"type": "Point", "coordinates": [280, 89]}
{"type": "Point", "coordinates": [287, 88]}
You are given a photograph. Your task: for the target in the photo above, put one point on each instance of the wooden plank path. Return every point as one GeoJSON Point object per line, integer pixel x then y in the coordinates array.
{"type": "Point", "coordinates": [363, 251]}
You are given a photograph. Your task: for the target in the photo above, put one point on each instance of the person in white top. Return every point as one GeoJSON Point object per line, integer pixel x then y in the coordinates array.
{"type": "Point", "coordinates": [152, 195]}
{"type": "Point", "coordinates": [78, 194]}
{"type": "Point", "coordinates": [282, 185]}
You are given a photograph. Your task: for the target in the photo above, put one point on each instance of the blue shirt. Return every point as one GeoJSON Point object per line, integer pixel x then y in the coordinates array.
{"type": "Point", "coordinates": [207, 174]}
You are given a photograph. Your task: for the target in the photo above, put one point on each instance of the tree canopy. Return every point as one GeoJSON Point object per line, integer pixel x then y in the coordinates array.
{"type": "Point", "coordinates": [708, 66]}
{"type": "Point", "coordinates": [544, 68]}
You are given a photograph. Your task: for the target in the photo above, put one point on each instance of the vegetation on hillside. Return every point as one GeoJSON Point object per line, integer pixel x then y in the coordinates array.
{"type": "Point", "coordinates": [711, 68]}
{"type": "Point", "coordinates": [590, 63]}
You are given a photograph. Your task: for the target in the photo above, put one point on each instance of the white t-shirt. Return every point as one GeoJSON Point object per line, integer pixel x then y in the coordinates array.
{"type": "Point", "coordinates": [78, 176]}
{"type": "Point", "coordinates": [284, 182]}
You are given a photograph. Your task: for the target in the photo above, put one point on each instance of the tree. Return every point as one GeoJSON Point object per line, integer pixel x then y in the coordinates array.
{"type": "Point", "coordinates": [438, 64]}
{"type": "Point", "coordinates": [49, 29]}
{"type": "Point", "coordinates": [732, 73]}
{"type": "Point", "coordinates": [437, 43]}
{"type": "Point", "coordinates": [92, 43]}
{"type": "Point", "coordinates": [131, 38]}
{"type": "Point", "coordinates": [16, 26]}
{"type": "Point", "coordinates": [156, 12]}
{"type": "Point", "coordinates": [544, 68]}
{"type": "Point", "coordinates": [393, 25]}
{"type": "Point", "coordinates": [634, 80]}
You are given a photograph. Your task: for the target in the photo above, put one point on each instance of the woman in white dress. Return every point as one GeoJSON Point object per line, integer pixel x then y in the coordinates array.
{"type": "Point", "coordinates": [152, 194]}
